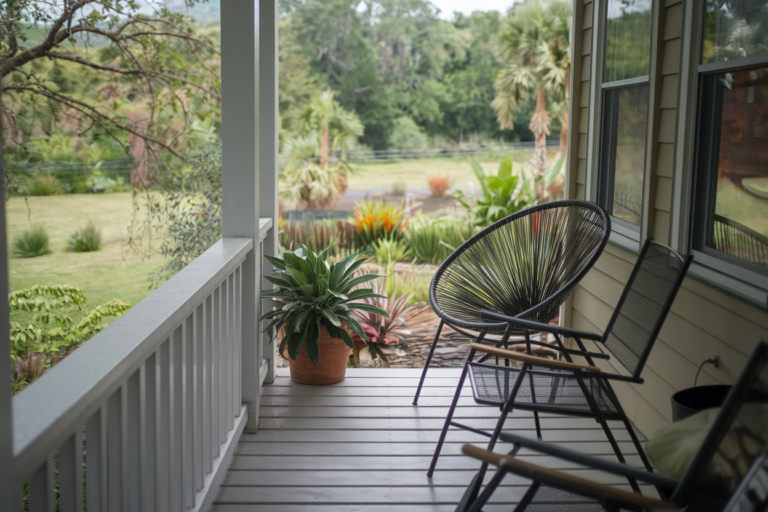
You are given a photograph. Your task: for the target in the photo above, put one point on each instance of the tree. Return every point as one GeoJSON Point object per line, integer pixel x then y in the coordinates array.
{"type": "Point", "coordinates": [152, 68]}
{"type": "Point", "coordinates": [534, 47]}
{"type": "Point", "coordinates": [315, 162]}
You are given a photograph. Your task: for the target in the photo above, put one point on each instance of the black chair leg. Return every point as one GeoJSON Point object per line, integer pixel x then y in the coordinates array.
{"type": "Point", "coordinates": [448, 418]}
{"type": "Point", "coordinates": [483, 498]}
{"type": "Point", "coordinates": [427, 362]}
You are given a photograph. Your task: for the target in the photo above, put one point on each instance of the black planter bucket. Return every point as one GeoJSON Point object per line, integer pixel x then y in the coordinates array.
{"type": "Point", "coordinates": [692, 400]}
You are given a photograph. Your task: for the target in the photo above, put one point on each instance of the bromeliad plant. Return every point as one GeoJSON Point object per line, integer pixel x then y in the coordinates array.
{"type": "Point", "coordinates": [378, 220]}
{"type": "Point", "coordinates": [317, 293]}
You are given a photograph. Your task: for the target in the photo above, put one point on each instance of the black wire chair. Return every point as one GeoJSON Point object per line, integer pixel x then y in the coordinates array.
{"type": "Point", "coordinates": [730, 470]}
{"type": "Point", "coordinates": [564, 387]}
{"type": "Point", "coordinates": [525, 265]}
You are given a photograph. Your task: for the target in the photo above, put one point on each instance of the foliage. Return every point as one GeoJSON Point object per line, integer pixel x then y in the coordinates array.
{"type": "Point", "coordinates": [375, 220]}
{"type": "Point", "coordinates": [60, 323]}
{"type": "Point", "coordinates": [85, 239]}
{"type": "Point", "coordinates": [413, 283]}
{"type": "Point", "coordinates": [100, 183]}
{"type": "Point", "coordinates": [534, 45]}
{"type": "Point", "coordinates": [503, 194]}
{"type": "Point", "coordinates": [316, 161]}
{"type": "Point", "coordinates": [317, 234]}
{"type": "Point", "coordinates": [111, 69]}
{"type": "Point", "coordinates": [406, 135]}
{"type": "Point", "coordinates": [316, 292]}
{"type": "Point", "coordinates": [433, 240]}
{"type": "Point", "coordinates": [439, 185]}
{"type": "Point", "coordinates": [31, 243]}
{"type": "Point", "coordinates": [189, 210]}
{"type": "Point", "coordinates": [44, 185]}
{"type": "Point", "coordinates": [390, 328]}
{"type": "Point", "coordinates": [388, 252]}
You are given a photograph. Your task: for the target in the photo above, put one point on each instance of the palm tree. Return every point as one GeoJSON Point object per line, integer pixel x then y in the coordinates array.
{"type": "Point", "coordinates": [312, 173]}
{"type": "Point", "coordinates": [535, 49]}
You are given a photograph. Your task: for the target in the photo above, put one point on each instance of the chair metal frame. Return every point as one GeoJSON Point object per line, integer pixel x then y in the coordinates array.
{"type": "Point", "coordinates": [583, 374]}
{"type": "Point", "coordinates": [482, 329]}
{"type": "Point", "coordinates": [676, 493]}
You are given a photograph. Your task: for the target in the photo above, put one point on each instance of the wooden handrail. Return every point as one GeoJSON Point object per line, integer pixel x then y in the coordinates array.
{"type": "Point", "coordinates": [528, 358]}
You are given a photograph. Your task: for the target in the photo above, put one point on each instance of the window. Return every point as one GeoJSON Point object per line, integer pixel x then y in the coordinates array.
{"type": "Point", "coordinates": [625, 111]}
{"type": "Point", "coordinates": [730, 218]}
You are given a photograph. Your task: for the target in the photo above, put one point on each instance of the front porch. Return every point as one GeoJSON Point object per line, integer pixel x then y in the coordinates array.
{"type": "Point", "coordinates": [361, 445]}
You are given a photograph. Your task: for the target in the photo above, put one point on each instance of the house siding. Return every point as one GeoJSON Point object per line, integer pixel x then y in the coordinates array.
{"type": "Point", "coordinates": [703, 321]}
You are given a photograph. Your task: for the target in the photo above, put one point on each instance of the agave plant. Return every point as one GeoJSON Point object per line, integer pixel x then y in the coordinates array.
{"type": "Point", "coordinates": [316, 292]}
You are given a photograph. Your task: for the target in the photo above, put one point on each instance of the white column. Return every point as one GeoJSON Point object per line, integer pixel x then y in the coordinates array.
{"type": "Point", "coordinates": [268, 154]}
{"type": "Point", "coordinates": [240, 162]}
{"type": "Point", "coordinates": [7, 479]}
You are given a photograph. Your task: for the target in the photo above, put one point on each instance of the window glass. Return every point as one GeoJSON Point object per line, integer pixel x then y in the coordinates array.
{"type": "Point", "coordinates": [624, 146]}
{"type": "Point", "coordinates": [627, 39]}
{"type": "Point", "coordinates": [739, 226]}
{"type": "Point", "coordinates": [734, 29]}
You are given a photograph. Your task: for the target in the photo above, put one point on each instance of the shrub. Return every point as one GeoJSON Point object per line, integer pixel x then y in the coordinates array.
{"type": "Point", "coordinates": [433, 240]}
{"type": "Point", "coordinates": [399, 189]}
{"type": "Point", "coordinates": [407, 135]}
{"type": "Point", "coordinates": [377, 220]}
{"type": "Point", "coordinates": [44, 185]}
{"type": "Point", "coordinates": [439, 185]}
{"type": "Point", "coordinates": [31, 243]}
{"type": "Point", "coordinates": [85, 239]}
{"type": "Point", "coordinates": [389, 252]}
{"type": "Point", "coordinates": [503, 194]}
{"type": "Point", "coordinates": [60, 323]}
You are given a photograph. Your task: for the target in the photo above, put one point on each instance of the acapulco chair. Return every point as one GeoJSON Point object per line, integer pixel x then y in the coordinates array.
{"type": "Point", "coordinates": [524, 265]}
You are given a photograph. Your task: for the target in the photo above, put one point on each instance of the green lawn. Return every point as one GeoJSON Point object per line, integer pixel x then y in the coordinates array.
{"type": "Point", "coordinates": [414, 173]}
{"type": "Point", "coordinates": [109, 274]}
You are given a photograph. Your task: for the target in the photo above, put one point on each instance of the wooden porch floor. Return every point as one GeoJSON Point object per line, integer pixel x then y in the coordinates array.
{"type": "Point", "coordinates": [361, 446]}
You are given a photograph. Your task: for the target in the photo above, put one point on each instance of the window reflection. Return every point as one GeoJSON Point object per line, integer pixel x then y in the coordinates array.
{"type": "Point", "coordinates": [627, 39]}
{"type": "Point", "coordinates": [630, 153]}
{"type": "Point", "coordinates": [734, 29]}
{"type": "Point", "coordinates": [740, 223]}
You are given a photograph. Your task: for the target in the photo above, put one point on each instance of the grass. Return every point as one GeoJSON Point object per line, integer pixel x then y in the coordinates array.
{"type": "Point", "coordinates": [414, 173]}
{"type": "Point", "coordinates": [109, 274]}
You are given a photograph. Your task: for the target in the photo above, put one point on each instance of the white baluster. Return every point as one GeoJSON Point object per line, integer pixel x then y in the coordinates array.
{"type": "Point", "coordinates": [71, 473]}
{"type": "Point", "coordinates": [96, 460]}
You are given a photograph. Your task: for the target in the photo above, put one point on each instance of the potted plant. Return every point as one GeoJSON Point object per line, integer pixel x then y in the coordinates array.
{"type": "Point", "coordinates": [318, 298]}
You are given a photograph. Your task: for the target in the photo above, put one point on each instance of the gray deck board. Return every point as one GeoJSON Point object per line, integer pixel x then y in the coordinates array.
{"type": "Point", "coordinates": [361, 446]}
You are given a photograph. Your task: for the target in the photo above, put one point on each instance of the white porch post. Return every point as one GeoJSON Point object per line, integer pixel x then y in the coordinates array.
{"type": "Point", "coordinates": [268, 132]}
{"type": "Point", "coordinates": [249, 159]}
{"type": "Point", "coordinates": [6, 420]}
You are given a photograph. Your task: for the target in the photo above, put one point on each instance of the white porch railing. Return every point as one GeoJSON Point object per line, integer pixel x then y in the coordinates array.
{"type": "Point", "coordinates": [146, 412]}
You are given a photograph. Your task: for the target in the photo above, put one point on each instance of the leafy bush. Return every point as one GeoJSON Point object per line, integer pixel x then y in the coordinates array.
{"type": "Point", "coordinates": [32, 243]}
{"type": "Point", "coordinates": [433, 240]}
{"type": "Point", "coordinates": [338, 235]}
{"type": "Point", "coordinates": [60, 323]}
{"type": "Point", "coordinates": [100, 183]}
{"type": "Point", "coordinates": [316, 292]}
{"type": "Point", "coordinates": [503, 194]}
{"type": "Point", "coordinates": [44, 185]}
{"type": "Point", "coordinates": [388, 252]}
{"type": "Point", "coordinates": [407, 135]}
{"type": "Point", "coordinates": [439, 185]}
{"type": "Point", "coordinates": [377, 220]}
{"type": "Point", "coordinates": [85, 239]}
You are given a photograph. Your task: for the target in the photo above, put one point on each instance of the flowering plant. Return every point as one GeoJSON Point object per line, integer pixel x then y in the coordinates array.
{"type": "Point", "coordinates": [378, 220]}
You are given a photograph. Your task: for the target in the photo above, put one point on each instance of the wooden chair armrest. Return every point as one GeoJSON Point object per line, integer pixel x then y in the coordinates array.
{"type": "Point", "coordinates": [527, 358]}
{"type": "Point", "coordinates": [564, 480]}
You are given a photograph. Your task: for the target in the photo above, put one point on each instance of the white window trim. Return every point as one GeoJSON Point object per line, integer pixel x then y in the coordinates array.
{"type": "Point", "coordinates": [628, 238]}
{"type": "Point", "coordinates": [681, 217]}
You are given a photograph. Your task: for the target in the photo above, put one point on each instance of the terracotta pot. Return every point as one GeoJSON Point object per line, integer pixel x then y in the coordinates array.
{"type": "Point", "coordinates": [331, 368]}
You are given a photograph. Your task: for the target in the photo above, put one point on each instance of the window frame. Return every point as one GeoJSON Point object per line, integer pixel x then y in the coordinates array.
{"type": "Point", "coordinates": [623, 233]}
{"type": "Point", "coordinates": [728, 277]}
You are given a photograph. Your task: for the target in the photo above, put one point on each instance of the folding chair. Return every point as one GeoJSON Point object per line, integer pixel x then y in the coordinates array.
{"type": "Point", "coordinates": [524, 265]}
{"type": "Point", "coordinates": [565, 387]}
{"type": "Point", "coordinates": [729, 469]}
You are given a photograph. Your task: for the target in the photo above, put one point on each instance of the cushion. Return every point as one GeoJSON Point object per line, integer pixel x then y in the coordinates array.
{"type": "Point", "coordinates": [673, 448]}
